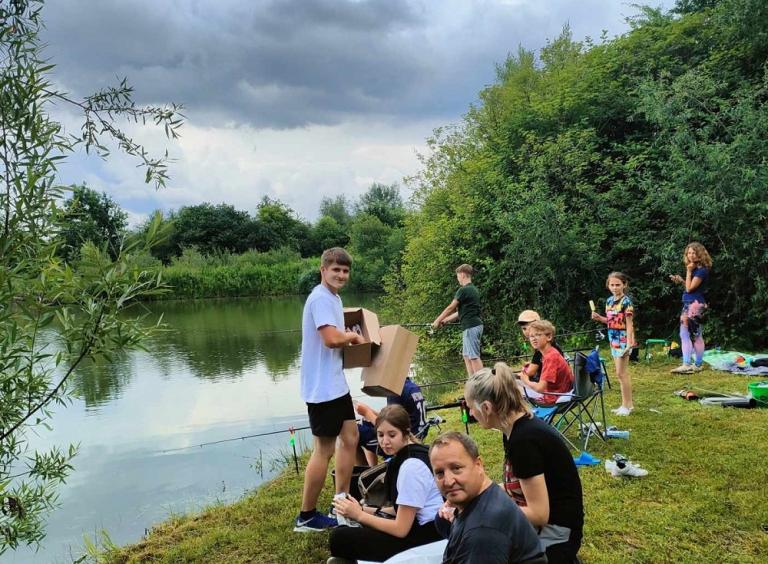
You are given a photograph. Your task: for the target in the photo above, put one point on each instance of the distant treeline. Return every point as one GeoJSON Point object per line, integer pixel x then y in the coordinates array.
{"type": "Point", "coordinates": [595, 156]}
{"type": "Point", "coordinates": [212, 250]}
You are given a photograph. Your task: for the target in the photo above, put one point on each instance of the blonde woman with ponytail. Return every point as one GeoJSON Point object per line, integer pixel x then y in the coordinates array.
{"type": "Point", "coordinates": [539, 472]}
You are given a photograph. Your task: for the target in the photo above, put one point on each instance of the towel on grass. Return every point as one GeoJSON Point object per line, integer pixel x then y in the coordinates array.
{"type": "Point", "coordinates": [736, 362]}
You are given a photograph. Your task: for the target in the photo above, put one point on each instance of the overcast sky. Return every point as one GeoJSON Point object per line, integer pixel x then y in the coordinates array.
{"type": "Point", "coordinates": [293, 99]}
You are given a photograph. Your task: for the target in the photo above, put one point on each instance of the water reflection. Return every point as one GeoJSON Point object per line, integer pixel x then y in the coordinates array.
{"type": "Point", "coordinates": [101, 381]}
{"type": "Point", "coordinates": [222, 339]}
{"type": "Point", "coordinates": [216, 340]}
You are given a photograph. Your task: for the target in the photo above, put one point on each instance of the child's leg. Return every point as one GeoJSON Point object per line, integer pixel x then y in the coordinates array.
{"type": "Point", "coordinates": [477, 364]}
{"type": "Point", "coordinates": [698, 345]}
{"type": "Point", "coordinates": [685, 341]}
{"type": "Point", "coordinates": [622, 372]}
{"type": "Point", "coordinates": [468, 366]}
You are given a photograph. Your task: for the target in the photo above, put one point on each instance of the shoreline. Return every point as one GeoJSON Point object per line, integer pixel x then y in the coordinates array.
{"type": "Point", "coordinates": [701, 488]}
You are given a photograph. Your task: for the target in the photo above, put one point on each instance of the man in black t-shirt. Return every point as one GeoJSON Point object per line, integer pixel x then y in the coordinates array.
{"type": "Point", "coordinates": [465, 307]}
{"type": "Point", "coordinates": [533, 368]}
{"type": "Point", "coordinates": [480, 521]}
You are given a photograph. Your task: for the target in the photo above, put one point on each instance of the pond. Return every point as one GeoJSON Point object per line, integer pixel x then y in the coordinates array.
{"type": "Point", "coordinates": [224, 369]}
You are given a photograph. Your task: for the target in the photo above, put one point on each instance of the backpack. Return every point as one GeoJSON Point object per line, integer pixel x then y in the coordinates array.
{"type": "Point", "coordinates": [373, 490]}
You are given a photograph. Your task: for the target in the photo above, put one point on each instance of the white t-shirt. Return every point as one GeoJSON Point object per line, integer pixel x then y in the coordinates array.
{"type": "Point", "coordinates": [416, 488]}
{"type": "Point", "coordinates": [322, 375]}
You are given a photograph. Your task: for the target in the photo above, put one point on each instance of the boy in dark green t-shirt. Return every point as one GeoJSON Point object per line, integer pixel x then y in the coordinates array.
{"type": "Point", "coordinates": [467, 302]}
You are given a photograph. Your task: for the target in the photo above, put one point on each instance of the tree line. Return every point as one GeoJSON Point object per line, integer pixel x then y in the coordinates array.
{"type": "Point", "coordinates": [371, 227]}
{"type": "Point", "coordinates": [594, 156]}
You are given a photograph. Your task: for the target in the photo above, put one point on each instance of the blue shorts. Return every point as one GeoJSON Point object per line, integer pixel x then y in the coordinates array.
{"type": "Point", "coordinates": [471, 341]}
{"type": "Point", "coordinates": [368, 439]}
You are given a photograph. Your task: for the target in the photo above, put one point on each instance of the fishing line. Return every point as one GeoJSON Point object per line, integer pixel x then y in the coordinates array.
{"type": "Point", "coordinates": [599, 336]}
{"type": "Point", "coordinates": [290, 430]}
{"type": "Point", "coordinates": [415, 325]}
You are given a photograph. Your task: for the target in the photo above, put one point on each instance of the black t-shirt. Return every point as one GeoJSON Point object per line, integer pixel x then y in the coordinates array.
{"type": "Point", "coordinates": [490, 530]}
{"type": "Point", "coordinates": [534, 448]}
{"type": "Point", "coordinates": [469, 306]}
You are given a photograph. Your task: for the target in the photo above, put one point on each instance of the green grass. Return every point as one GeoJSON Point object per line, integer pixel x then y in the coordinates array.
{"type": "Point", "coordinates": [704, 500]}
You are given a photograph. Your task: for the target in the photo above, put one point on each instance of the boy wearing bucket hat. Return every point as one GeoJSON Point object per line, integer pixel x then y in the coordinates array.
{"type": "Point", "coordinates": [533, 367]}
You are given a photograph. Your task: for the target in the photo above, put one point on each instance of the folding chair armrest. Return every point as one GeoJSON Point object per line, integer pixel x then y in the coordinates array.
{"type": "Point", "coordinates": [537, 403]}
{"type": "Point", "coordinates": [571, 393]}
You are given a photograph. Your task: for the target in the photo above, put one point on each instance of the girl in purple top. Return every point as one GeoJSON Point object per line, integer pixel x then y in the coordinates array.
{"type": "Point", "coordinates": [697, 266]}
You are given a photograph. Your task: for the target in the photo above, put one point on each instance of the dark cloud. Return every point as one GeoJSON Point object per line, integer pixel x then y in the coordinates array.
{"type": "Point", "coordinates": [279, 64]}
{"type": "Point", "coordinates": [291, 63]}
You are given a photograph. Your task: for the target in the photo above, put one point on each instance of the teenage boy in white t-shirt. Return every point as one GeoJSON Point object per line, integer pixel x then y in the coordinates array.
{"type": "Point", "coordinates": [324, 388]}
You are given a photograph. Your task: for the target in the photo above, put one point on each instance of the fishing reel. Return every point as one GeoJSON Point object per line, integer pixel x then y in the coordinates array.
{"type": "Point", "coordinates": [599, 336]}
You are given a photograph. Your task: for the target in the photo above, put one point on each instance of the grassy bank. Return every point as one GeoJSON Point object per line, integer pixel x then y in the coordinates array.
{"type": "Point", "coordinates": [703, 501]}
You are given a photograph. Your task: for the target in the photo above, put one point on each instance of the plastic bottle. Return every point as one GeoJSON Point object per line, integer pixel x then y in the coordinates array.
{"type": "Point", "coordinates": [614, 433]}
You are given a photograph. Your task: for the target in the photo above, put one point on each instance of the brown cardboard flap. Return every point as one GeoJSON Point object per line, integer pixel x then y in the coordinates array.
{"type": "Point", "coordinates": [386, 374]}
{"type": "Point", "coordinates": [371, 324]}
{"type": "Point", "coordinates": [361, 355]}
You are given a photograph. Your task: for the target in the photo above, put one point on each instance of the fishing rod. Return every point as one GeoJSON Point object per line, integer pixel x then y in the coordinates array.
{"type": "Point", "coordinates": [460, 380]}
{"type": "Point", "coordinates": [290, 430]}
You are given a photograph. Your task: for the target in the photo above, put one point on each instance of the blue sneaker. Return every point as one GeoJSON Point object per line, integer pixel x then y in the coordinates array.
{"type": "Point", "coordinates": [318, 522]}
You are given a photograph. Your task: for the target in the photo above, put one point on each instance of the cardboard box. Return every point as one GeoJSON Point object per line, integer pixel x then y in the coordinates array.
{"type": "Point", "coordinates": [386, 374]}
{"type": "Point", "coordinates": [361, 355]}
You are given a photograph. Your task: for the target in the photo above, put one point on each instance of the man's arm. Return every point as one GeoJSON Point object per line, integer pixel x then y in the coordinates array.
{"type": "Point", "coordinates": [333, 338]}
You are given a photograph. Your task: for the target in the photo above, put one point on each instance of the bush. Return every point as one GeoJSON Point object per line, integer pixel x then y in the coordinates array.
{"type": "Point", "coordinates": [605, 157]}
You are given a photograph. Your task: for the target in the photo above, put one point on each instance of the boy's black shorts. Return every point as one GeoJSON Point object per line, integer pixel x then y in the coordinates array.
{"type": "Point", "coordinates": [326, 418]}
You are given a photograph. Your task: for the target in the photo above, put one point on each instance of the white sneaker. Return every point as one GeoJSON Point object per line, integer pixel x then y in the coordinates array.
{"type": "Point", "coordinates": [620, 466]}
{"type": "Point", "coordinates": [592, 428]}
{"type": "Point", "coordinates": [622, 411]}
{"type": "Point", "coordinates": [698, 368]}
{"type": "Point", "coordinates": [630, 470]}
{"type": "Point", "coordinates": [684, 369]}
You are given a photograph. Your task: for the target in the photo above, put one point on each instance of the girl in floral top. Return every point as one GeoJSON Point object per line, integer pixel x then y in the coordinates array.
{"type": "Point", "coordinates": [619, 313]}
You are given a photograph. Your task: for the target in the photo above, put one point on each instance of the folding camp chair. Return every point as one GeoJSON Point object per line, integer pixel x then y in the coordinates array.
{"type": "Point", "coordinates": [583, 407]}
